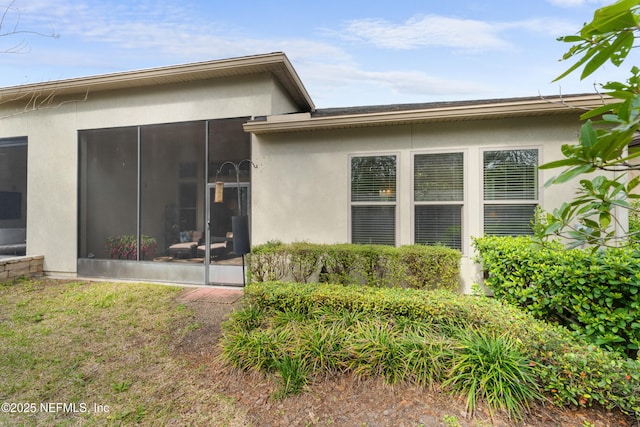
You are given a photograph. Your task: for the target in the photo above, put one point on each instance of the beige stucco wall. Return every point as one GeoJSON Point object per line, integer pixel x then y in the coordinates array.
{"type": "Point", "coordinates": [301, 186]}
{"type": "Point", "coordinates": [53, 144]}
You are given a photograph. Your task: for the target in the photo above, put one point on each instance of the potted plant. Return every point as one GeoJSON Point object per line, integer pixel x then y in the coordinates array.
{"type": "Point", "coordinates": [124, 246]}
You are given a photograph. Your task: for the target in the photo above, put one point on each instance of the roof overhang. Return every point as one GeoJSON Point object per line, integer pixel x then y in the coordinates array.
{"type": "Point", "coordinates": [275, 63]}
{"type": "Point", "coordinates": [425, 113]}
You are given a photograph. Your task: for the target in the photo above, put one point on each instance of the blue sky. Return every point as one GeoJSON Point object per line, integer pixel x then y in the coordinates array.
{"type": "Point", "coordinates": [347, 53]}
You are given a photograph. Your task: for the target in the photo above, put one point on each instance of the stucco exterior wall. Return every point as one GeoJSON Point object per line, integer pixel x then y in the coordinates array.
{"type": "Point", "coordinates": [301, 186]}
{"type": "Point", "coordinates": [53, 144]}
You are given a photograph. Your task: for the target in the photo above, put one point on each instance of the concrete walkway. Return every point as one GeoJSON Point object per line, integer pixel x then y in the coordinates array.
{"type": "Point", "coordinates": [214, 295]}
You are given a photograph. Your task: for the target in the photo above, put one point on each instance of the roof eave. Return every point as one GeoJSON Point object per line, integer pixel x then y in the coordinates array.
{"type": "Point", "coordinates": [482, 110]}
{"type": "Point", "coordinates": [275, 63]}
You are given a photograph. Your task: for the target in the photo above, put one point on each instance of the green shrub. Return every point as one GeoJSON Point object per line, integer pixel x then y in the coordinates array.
{"type": "Point", "coordinates": [267, 262]}
{"type": "Point", "coordinates": [340, 263]}
{"type": "Point", "coordinates": [415, 266]}
{"type": "Point", "coordinates": [408, 335]}
{"type": "Point", "coordinates": [634, 221]}
{"type": "Point", "coordinates": [429, 267]}
{"type": "Point", "coordinates": [304, 259]}
{"type": "Point", "coordinates": [595, 294]}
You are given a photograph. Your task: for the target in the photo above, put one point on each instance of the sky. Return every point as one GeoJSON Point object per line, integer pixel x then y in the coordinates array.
{"type": "Point", "coordinates": [347, 52]}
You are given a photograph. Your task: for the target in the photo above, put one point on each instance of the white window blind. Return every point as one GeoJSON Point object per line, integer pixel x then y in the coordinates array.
{"type": "Point", "coordinates": [510, 189]}
{"type": "Point", "coordinates": [373, 199]}
{"type": "Point", "coordinates": [511, 175]}
{"type": "Point", "coordinates": [438, 182]}
{"type": "Point", "coordinates": [439, 225]}
{"type": "Point", "coordinates": [508, 220]}
{"type": "Point", "coordinates": [373, 225]}
{"type": "Point", "coordinates": [373, 178]}
{"type": "Point", "coordinates": [438, 177]}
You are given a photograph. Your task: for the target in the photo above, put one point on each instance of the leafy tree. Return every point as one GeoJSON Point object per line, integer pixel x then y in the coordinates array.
{"type": "Point", "coordinates": [597, 214]}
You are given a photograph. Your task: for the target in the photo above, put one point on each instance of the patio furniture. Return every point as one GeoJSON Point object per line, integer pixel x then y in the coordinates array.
{"type": "Point", "coordinates": [186, 248]}
{"type": "Point", "coordinates": [218, 247]}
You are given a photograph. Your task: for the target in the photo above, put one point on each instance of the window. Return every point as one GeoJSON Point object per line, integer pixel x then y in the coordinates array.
{"type": "Point", "coordinates": [13, 182]}
{"type": "Point", "coordinates": [373, 199]}
{"type": "Point", "coordinates": [13, 195]}
{"type": "Point", "coordinates": [438, 196]}
{"type": "Point", "coordinates": [510, 189]}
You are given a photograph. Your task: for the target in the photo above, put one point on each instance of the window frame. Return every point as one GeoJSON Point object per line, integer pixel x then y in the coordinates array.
{"type": "Point", "coordinates": [507, 202]}
{"type": "Point", "coordinates": [464, 235]}
{"type": "Point", "coordinates": [395, 203]}
{"type": "Point", "coordinates": [13, 211]}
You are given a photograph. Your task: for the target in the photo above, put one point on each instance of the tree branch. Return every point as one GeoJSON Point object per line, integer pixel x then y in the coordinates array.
{"type": "Point", "coordinates": [39, 101]}
{"type": "Point", "coordinates": [22, 45]}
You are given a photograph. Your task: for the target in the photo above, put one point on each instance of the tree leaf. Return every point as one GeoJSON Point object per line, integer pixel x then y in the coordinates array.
{"type": "Point", "coordinates": [573, 172]}
{"type": "Point", "coordinates": [578, 64]}
{"type": "Point", "coordinates": [598, 111]}
{"type": "Point", "coordinates": [570, 39]}
{"type": "Point", "coordinates": [605, 220]}
{"type": "Point", "coordinates": [623, 45]}
{"type": "Point", "coordinates": [598, 60]}
{"type": "Point", "coordinates": [588, 136]}
{"type": "Point", "coordinates": [614, 17]}
{"type": "Point", "coordinates": [561, 163]}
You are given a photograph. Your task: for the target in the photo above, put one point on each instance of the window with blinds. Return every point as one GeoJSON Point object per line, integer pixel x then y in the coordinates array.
{"type": "Point", "coordinates": [438, 182]}
{"type": "Point", "coordinates": [373, 199]}
{"type": "Point", "coordinates": [508, 220]}
{"type": "Point", "coordinates": [510, 191]}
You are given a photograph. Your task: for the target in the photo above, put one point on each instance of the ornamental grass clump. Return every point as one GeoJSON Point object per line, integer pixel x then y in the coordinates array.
{"type": "Point", "coordinates": [375, 351]}
{"type": "Point", "coordinates": [425, 356]}
{"type": "Point", "coordinates": [293, 373]}
{"type": "Point", "coordinates": [321, 346]}
{"type": "Point", "coordinates": [491, 368]}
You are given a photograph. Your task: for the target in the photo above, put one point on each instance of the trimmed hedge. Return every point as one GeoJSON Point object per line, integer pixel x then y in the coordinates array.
{"type": "Point", "coordinates": [569, 370]}
{"type": "Point", "coordinates": [595, 294]}
{"type": "Point", "coordinates": [415, 266]}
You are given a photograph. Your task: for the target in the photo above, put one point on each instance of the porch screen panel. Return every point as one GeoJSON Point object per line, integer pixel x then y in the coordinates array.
{"type": "Point", "coordinates": [438, 181]}
{"type": "Point", "coordinates": [228, 142]}
{"type": "Point", "coordinates": [108, 191]}
{"type": "Point", "coordinates": [510, 191]}
{"type": "Point", "coordinates": [172, 185]}
{"type": "Point", "coordinates": [229, 145]}
{"type": "Point", "coordinates": [373, 199]}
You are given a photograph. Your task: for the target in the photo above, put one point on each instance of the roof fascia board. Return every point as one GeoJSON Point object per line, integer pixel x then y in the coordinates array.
{"type": "Point", "coordinates": [276, 63]}
{"type": "Point", "coordinates": [481, 110]}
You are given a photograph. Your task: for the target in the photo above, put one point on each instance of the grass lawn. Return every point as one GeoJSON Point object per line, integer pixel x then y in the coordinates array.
{"type": "Point", "coordinates": [78, 353]}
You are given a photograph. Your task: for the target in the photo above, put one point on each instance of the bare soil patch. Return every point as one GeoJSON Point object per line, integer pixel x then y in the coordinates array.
{"type": "Point", "coordinates": [347, 401]}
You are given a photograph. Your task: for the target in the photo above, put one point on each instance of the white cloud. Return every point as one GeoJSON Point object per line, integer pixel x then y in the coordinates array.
{"type": "Point", "coordinates": [407, 83]}
{"type": "Point", "coordinates": [578, 3]}
{"type": "Point", "coordinates": [552, 27]}
{"type": "Point", "coordinates": [428, 31]}
{"type": "Point", "coordinates": [419, 83]}
{"type": "Point", "coordinates": [162, 29]}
